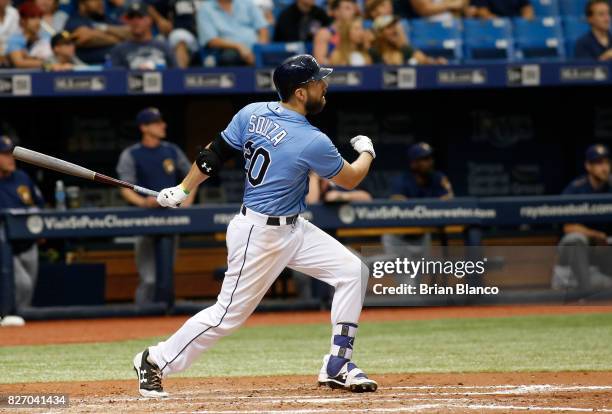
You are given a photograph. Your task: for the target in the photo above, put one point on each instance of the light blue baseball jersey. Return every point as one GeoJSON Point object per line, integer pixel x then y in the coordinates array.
{"type": "Point", "coordinates": [280, 148]}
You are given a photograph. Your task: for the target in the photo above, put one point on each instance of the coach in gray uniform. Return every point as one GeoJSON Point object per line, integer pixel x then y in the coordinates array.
{"type": "Point", "coordinates": [584, 260]}
{"type": "Point", "coordinates": [154, 164]}
{"type": "Point", "coordinates": [17, 190]}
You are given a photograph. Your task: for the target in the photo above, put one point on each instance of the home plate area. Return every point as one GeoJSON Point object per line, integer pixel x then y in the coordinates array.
{"type": "Point", "coordinates": [426, 393]}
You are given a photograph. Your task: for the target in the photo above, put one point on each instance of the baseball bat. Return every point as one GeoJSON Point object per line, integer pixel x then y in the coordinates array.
{"type": "Point", "coordinates": [65, 167]}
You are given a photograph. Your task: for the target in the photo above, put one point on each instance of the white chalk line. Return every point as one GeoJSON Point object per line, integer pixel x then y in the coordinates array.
{"type": "Point", "coordinates": [546, 387]}
{"type": "Point", "coordinates": [415, 408]}
{"type": "Point", "coordinates": [496, 390]}
{"type": "Point", "coordinates": [381, 397]}
{"type": "Point", "coordinates": [527, 388]}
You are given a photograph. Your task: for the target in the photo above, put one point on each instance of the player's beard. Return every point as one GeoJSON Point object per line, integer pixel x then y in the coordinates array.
{"type": "Point", "coordinates": [313, 107]}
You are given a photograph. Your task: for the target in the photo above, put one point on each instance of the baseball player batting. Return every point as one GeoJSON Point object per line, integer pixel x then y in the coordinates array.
{"type": "Point", "coordinates": [280, 148]}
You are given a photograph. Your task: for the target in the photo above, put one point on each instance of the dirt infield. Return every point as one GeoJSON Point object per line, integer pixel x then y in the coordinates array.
{"type": "Point", "coordinates": [116, 329]}
{"type": "Point", "coordinates": [440, 393]}
{"type": "Point", "coordinates": [398, 393]}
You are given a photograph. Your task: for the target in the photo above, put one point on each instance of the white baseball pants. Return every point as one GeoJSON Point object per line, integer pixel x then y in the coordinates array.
{"type": "Point", "coordinates": [257, 253]}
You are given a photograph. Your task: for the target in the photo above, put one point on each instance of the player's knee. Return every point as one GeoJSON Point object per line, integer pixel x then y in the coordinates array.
{"type": "Point", "coordinates": [23, 284]}
{"type": "Point", "coordinates": [574, 239]}
{"type": "Point", "coordinates": [356, 270]}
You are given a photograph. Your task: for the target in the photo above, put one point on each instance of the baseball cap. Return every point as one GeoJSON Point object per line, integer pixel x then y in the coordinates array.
{"type": "Point", "coordinates": [136, 9]}
{"type": "Point", "coordinates": [62, 37]}
{"type": "Point", "coordinates": [148, 116]}
{"type": "Point", "coordinates": [419, 150]}
{"type": "Point", "coordinates": [6, 144]}
{"type": "Point", "coordinates": [29, 9]}
{"type": "Point", "coordinates": [382, 22]}
{"type": "Point", "coordinates": [597, 151]}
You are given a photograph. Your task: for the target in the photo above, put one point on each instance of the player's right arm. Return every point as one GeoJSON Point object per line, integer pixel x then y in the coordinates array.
{"type": "Point", "coordinates": [208, 164]}
{"type": "Point", "coordinates": [209, 161]}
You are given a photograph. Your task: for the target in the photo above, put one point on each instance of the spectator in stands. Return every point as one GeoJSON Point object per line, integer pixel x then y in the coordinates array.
{"type": "Point", "coordinates": [583, 261]}
{"type": "Point", "coordinates": [17, 190]}
{"type": "Point", "coordinates": [94, 33]}
{"type": "Point", "coordinates": [321, 189]}
{"type": "Point", "coordinates": [267, 9]}
{"type": "Point", "coordinates": [300, 21]}
{"type": "Point", "coordinates": [436, 10]}
{"type": "Point", "coordinates": [490, 9]}
{"type": "Point", "coordinates": [154, 164]}
{"type": "Point", "coordinates": [114, 8]}
{"type": "Point", "coordinates": [421, 180]}
{"type": "Point", "coordinates": [64, 53]}
{"type": "Point", "coordinates": [183, 37]}
{"type": "Point", "coordinates": [141, 52]}
{"type": "Point", "coordinates": [27, 49]}
{"type": "Point", "coordinates": [353, 47]}
{"type": "Point", "coordinates": [596, 44]}
{"type": "Point", "coordinates": [231, 28]}
{"type": "Point", "coordinates": [327, 38]}
{"type": "Point", "coordinates": [159, 11]}
{"type": "Point", "coordinates": [391, 48]}
{"type": "Point", "coordinates": [9, 25]}
{"type": "Point", "coordinates": [378, 8]}
{"type": "Point", "coordinates": [53, 19]}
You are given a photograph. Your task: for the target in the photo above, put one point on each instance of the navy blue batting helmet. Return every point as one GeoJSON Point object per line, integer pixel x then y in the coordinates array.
{"type": "Point", "coordinates": [296, 71]}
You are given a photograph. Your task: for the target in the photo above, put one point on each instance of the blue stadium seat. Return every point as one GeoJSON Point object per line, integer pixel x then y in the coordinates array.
{"type": "Point", "coordinates": [572, 7]}
{"type": "Point", "coordinates": [406, 26]}
{"type": "Point", "coordinates": [208, 57]}
{"type": "Point", "coordinates": [438, 39]}
{"type": "Point", "coordinates": [540, 38]}
{"type": "Point", "coordinates": [488, 39]}
{"type": "Point", "coordinates": [273, 54]}
{"type": "Point", "coordinates": [425, 27]}
{"type": "Point", "coordinates": [271, 28]}
{"type": "Point", "coordinates": [544, 8]}
{"type": "Point", "coordinates": [282, 4]}
{"type": "Point", "coordinates": [68, 6]}
{"type": "Point", "coordinates": [276, 11]}
{"type": "Point", "coordinates": [574, 28]}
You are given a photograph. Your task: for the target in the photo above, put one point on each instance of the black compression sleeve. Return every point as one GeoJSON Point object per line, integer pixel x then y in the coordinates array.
{"type": "Point", "coordinates": [223, 150]}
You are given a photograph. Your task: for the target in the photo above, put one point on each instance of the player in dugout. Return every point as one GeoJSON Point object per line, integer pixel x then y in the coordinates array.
{"type": "Point", "coordinates": [421, 180]}
{"type": "Point", "coordinates": [17, 190]}
{"type": "Point", "coordinates": [152, 163]}
{"type": "Point", "coordinates": [584, 254]}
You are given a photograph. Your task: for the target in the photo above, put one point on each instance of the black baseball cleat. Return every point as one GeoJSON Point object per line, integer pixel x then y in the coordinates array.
{"type": "Point", "coordinates": [149, 377]}
{"type": "Point", "coordinates": [349, 378]}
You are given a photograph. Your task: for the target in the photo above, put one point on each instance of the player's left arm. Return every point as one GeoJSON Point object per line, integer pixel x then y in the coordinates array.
{"type": "Point", "coordinates": [351, 175]}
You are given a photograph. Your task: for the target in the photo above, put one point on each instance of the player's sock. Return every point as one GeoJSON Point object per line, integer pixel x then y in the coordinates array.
{"type": "Point", "coordinates": [342, 347]}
